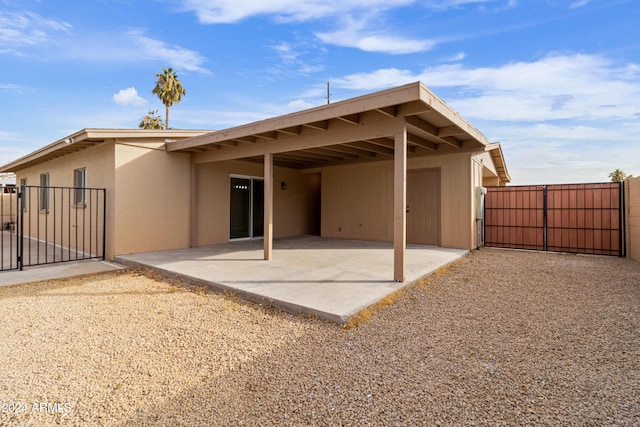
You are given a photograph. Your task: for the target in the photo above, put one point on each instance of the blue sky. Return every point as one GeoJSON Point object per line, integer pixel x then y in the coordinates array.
{"type": "Point", "coordinates": [556, 82]}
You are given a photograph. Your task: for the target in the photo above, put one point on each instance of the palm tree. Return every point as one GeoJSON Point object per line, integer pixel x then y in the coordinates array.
{"type": "Point", "coordinates": [619, 175]}
{"type": "Point", "coordinates": [169, 89]}
{"type": "Point", "coordinates": [151, 121]}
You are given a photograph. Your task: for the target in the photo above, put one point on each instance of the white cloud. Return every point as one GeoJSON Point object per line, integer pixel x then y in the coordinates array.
{"type": "Point", "coordinates": [553, 88]}
{"type": "Point", "coordinates": [129, 96]}
{"type": "Point", "coordinates": [291, 57]}
{"type": "Point", "coordinates": [454, 58]}
{"type": "Point", "coordinates": [130, 47]}
{"type": "Point", "coordinates": [175, 56]}
{"type": "Point", "coordinates": [363, 33]}
{"type": "Point", "coordinates": [10, 86]}
{"type": "Point", "coordinates": [298, 105]}
{"type": "Point", "coordinates": [375, 42]}
{"type": "Point", "coordinates": [567, 118]}
{"type": "Point", "coordinates": [578, 3]}
{"type": "Point", "coordinates": [20, 29]}
{"type": "Point", "coordinates": [230, 11]}
{"type": "Point", "coordinates": [375, 80]}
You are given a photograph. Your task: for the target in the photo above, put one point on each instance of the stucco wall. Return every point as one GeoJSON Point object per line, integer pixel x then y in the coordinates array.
{"type": "Point", "coordinates": [152, 203]}
{"type": "Point", "coordinates": [357, 200]}
{"type": "Point", "coordinates": [292, 208]}
{"type": "Point", "coordinates": [98, 162]}
{"type": "Point", "coordinates": [632, 206]}
{"type": "Point", "coordinates": [148, 192]}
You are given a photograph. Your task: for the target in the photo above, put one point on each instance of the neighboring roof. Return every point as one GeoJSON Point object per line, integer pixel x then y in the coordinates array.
{"type": "Point", "coordinates": [354, 130]}
{"type": "Point", "coordinates": [89, 137]}
{"type": "Point", "coordinates": [497, 156]}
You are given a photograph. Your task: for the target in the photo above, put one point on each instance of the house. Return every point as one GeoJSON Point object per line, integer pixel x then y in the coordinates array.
{"type": "Point", "coordinates": [397, 165]}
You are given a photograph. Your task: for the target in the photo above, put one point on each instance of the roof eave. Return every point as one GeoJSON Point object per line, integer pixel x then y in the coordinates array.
{"type": "Point", "coordinates": [495, 150]}
{"type": "Point", "coordinates": [96, 136]}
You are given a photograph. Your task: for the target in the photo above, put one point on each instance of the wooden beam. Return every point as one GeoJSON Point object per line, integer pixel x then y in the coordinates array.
{"type": "Point", "coordinates": [268, 205]}
{"type": "Point", "coordinates": [450, 131]}
{"type": "Point", "coordinates": [452, 141]}
{"type": "Point", "coordinates": [246, 139]}
{"type": "Point", "coordinates": [273, 135]}
{"type": "Point", "coordinates": [388, 111]}
{"type": "Point", "coordinates": [300, 159]}
{"type": "Point", "coordinates": [424, 143]}
{"type": "Point", "coordinates": [322, 125]}
{"type": "Point", "coordinates": [384, 142]}
{"type": "Point", "coordinates": [419, 125]}
{"type": "Point", "coordinates": [400, 204]}
{"type": "Point", "coordinates": [411, 99]}
{"type": "Point", "coordinates": [332, 136]}
{"type": "Point", "coordinates": [354, 119]}
{"type": "Point", "coordinates": [333, 153]}
{"type": "Point", "coordinates": [296, 130]}
{"type": "Point", "coordinates": [230, 143]}
{"type": "Point", "coordinates": [366, 145]}
{"type": "Point", "coordinates": [350, 150]}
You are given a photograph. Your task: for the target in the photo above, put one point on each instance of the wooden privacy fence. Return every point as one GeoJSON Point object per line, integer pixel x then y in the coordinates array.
{"type": "Point", "coordinates": [575, 218]}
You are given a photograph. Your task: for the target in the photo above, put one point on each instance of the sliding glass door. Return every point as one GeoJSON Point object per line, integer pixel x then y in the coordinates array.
{"type": "Point", "coordinates": [246, 208]}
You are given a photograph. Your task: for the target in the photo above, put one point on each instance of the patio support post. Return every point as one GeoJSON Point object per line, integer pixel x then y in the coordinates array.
{"type": "Point", "coordinates": [400, 203]}
{"type": "Point", "coordinates": [268, 205]}
{"type": "Point", "coordinates": [193, 209]}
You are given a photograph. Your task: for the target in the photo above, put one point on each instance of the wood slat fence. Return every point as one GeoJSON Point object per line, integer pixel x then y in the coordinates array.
{"type": "Point", "coordinates": [574, 218]}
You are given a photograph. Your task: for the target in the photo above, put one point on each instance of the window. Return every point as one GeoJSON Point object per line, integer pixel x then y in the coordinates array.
{"type": "Point", "coordinates": [44, 192]}
{"type": "Point", "coordinates": [80, 183]}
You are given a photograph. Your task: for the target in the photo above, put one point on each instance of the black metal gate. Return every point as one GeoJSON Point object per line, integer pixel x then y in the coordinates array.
{"type": "Point", "coordinates": [575, 218]}
{"type": "Point", "coordinates": [47, 225]}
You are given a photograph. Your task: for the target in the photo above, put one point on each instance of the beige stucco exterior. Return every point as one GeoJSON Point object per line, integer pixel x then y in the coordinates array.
{"type": "Point", "coordinates": [147, 190]}
{"type": "Point", "coordinates": [293, 206]}
{"type": "Point", "coordinates": [357, 200]}
{"type": "Point", "coordinates": [338, 171]}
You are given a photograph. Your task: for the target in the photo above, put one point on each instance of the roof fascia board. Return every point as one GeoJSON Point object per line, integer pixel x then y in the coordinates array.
{"type": "Point", "coordinates": [450, 114]}
{"type": "Point", "coordinates": [495, 149]}
{"type": "Point", "coordinates": [97, 135]}
{"type": "Point", "coordinates": [377, 100]}
{"type": "Point", "coordinates": [379, 129]}
{"type": "Point", "coordinates": [47, 149]}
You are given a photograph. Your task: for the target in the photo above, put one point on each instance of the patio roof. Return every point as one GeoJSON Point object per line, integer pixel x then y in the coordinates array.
{"type": "Point", "coordinates": [355, 130]}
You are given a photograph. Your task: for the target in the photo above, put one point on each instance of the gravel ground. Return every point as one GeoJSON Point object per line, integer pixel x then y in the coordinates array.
{"type": "Point", "coordinates": [499, 338]}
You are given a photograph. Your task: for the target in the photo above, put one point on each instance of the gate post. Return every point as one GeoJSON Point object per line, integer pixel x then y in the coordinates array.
{"type": "Point", "coordinates": [544, 217]}
{"type": "Point", "coordinates": [623, 225]}
{"type": "Point", "coordinates": [20, 226]}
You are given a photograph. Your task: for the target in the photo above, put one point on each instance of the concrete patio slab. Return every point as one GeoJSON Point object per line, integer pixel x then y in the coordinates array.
{"type": "Point", "coordinates": [56, 271]}
{"type": "Point", "coordinates": [331, 278]}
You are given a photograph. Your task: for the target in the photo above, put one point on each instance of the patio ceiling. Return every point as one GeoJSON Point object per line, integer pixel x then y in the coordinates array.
{"type": "Point", "coordinates": [355, 130]}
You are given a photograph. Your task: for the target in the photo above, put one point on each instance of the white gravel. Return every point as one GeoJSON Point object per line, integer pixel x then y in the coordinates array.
{"type": "Point", "coordinates": [499, 338]}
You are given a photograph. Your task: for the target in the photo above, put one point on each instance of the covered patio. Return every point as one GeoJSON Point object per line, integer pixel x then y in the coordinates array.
{"type": "Point", "coordinates": [368, 149]}
{"type": "Point", "coordinates": [333, 279]}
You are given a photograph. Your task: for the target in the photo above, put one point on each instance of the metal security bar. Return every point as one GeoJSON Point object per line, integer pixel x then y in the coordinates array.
{"type": "Point", "coordinates": [9, 238]}
{"type": "Point", "coordinates": [46, 225]}
{"type": "Point", "coordinates": [574, 218]}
